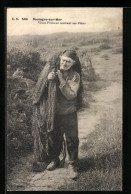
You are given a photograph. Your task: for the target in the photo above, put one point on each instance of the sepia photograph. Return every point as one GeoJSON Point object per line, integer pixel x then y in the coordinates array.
{"type": "Point", "coordinates": [64, 74]}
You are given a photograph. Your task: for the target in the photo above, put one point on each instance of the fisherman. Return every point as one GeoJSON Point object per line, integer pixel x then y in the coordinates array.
{"type": "Point", "coordinates": [61, 102]}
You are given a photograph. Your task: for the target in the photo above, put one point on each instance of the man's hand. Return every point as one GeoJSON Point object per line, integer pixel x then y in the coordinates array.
{"type": "Point", "coordinates": [60, 75]}
{"type": "Point", "coordinates": [51, 75]}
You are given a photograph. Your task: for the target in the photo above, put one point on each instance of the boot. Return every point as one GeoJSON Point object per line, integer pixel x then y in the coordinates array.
{"type": "Point", "coordinates": [71, 172]}
{"type": "Point", "coordinates": [54, 164]}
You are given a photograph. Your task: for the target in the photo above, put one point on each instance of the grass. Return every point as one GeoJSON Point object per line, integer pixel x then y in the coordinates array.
{"type": "Point", "coordinates": [117, 51]}
{"type": "Point", "coordinates": [19, 176]}
{"type": "Point", "coordinates": [104, 46]}
{"type": "Point", "coordinates": [90, 87]}
{"type": "Point", "coordinates": [100, 168]}
{"type": "Point", "coordinates": [95, 85]}
{"type": "Point", "coordinates": [106, 57]}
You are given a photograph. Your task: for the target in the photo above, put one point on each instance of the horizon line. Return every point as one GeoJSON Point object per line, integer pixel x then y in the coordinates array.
{"type": "Point", "coordinates": [63, 32]}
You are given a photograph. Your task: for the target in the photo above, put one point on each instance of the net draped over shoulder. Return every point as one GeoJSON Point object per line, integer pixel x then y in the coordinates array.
{"type": "Point", "coordinates": [44, 100]}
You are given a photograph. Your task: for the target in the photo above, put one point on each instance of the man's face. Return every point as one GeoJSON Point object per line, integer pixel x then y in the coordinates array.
{"type": "Point", "coordinates": [66, 63]}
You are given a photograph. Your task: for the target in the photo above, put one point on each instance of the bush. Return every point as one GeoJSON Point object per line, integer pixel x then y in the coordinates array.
{"type": "Point", "coordinates": [104, 46]}
{"type": "Point", "coordinates": [117, 51]}
{"type": "Point", "coordinates": [88, 72]}
{"type": "Point", "coordinates": [19, 111]}
{"type": "Point", "coordinates": [95, 49]}
{"type": "Point", "coordinates": [106, 57]}
{"type": "Point", "coordinates": [74, 48]}
{"type": "Point", "coordinates": [26, 61]}
{"type": "Point", "coordinates": [23, 70]}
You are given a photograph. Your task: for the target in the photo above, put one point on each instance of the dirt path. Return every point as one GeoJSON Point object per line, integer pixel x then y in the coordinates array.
{"type": "Point", "coordinates": [108, 99]}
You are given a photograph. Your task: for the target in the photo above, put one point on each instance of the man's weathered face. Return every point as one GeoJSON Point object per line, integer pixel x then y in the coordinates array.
{"type": "Point", "coordinates": [66, 63]}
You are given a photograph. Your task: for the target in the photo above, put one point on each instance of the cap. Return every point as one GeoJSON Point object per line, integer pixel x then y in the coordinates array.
{"type": "Point", "coordinates": [70, 53]}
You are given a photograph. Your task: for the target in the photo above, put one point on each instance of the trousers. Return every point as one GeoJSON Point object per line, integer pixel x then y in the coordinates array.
{"type": "Point", "coordinates": [68, 125]}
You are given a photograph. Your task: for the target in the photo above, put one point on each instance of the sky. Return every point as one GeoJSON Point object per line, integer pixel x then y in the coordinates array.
{"type": "Point", "coordinates": [94, 19]}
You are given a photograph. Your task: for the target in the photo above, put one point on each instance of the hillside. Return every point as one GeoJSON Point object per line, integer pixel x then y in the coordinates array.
{"type": "Point", "coordinates": [56, 42]}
